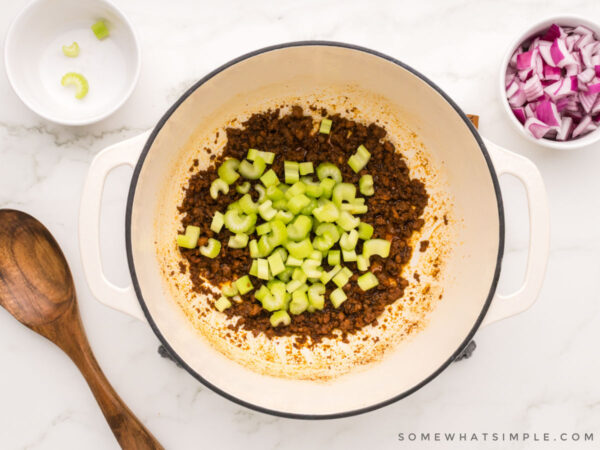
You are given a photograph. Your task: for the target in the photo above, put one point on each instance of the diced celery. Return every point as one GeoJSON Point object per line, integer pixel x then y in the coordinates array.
{"type": "Point", "coordinates": [77, 80]}
{"type": "Point", "coordinates": [295, 189]}
{"type": "Point", "coordinates": [72, 50]}
{"type": "Point", "coordinates": [262, 269]}
{"type": "Point", "coordinates": [337, 297]}
{"type": "Point", "coordinates": [273, 303]}
{"type": "Point", "coordinates": [299, 302]}
{"type": "Point", "coordinates": [365, 231]}
{"type": "Point", "coordinates": [316, 255]}
{"type": "Point", "coordinates": [325, 126]}
{"type": "Point", "coordinates": [243, 188]}
{"type": "Point", "coordinates": [342, 277]}
{"type": "Point", "coordinates": [239, 240]}
{"type": "Point", "coordinates": [306, 168]}
{"type": "Point", "coordinates": [293, 262]}
{"type": "Point", "coordinates": [229, 290]}
{"type": "Point", "coordinates": [299, 228]}
{"type": "Point", "coordinates": [247, 205]}
{"type": "Point", "coordinates": [261, 192]}
{"type": "Point", "coordinates": [300, 249]}
{"type": "Point", "coordinates": [254, 170]}
{"type": "Point", "coordinates": [222, 304]}
{"type": "Point", "coordinates": [293, 285]}
{"type": "Point", "coordinates": [267, 157]}
{"type": "Point", "coordinates": [264, 246]}
{"type": "Point", "coordinates": [347, 221]}
{"type": "Point", "coordinates": [261, 293]}
{"type": "Point", "coordinates": [285, 216]}
{"type": "Point", "coordinates": [266, 210]}
{"type": "Point", "coordinates": [276, 264]}
{"type": "Point", "coordinates": [286, 275]}
{"type": "Point", "coordinates": [253, 247]}
{"type": "Point", "coordinates": [237, 222]}
{"type": "Point", "coordinates": [316, 296]}
{"type": "Point", "coordinates": [349, 255]}
{"type": "Point", "coordinates": [263, 228]}
{"type": "Point", "coordinates": [274, 193]}
{"type": "Point", "coordinates": [299, 275]}
{"type": "Point", "coordinates": [362, 263]}
{"type": "Point", "coordinates": [228, 170]}
{"type": "Point", "coordinates": [379, 247]}
{"type": "Point", "coordinates": [280, 318]}
{"type": "Point", "coordinates": [282, 253]}
{"type": "Point", "coordinates": [254, 268]}
{"type": "Point", "coordinates": [312, 268]}
{"type": "Point", "coordinates": [327, 212]}
{"type": "Point", "coordinates": [270, 178]}
{"type": "Point", "coordinates": [308, 209]}
{"type": "Point", "coordinates": [278, 234]}
{"type": "Point", "coordinates": [327, 276]}
{"type": "Point", "coordinates": [365, 185]}
{"type": "Point", "coordinates": [333, 257]}
{"type": "Point", "coordinates": [297, 203]}
{"type": "Point", "coordinates": [327, 186]}
{"type": "Point", "coordinates": [291, 171]}
{"type": "Point", "coordinates": [367, 281]}
{"type": "Point", "coordinates": [360, 159]}
{"type": "Point", "coordinates": [100, 30]}
{"type": "Point", "coordinates": [217, 222]}
{"type": "Point", "coordinates": [343, 192]}
{"type": "Point", "coordinates": [244, 285]}
{"type": "Point", "coordinates": [218, 185]}
{"type": "Point", "coordinates": [328, 170]}
{"type": "Point", "coordinates": [211, 249]}
{"type": "Point", "coordinates": [349, 240]}
{"type": "Point", "coordinates": [280, 205]}
{"type": "Point", "coordinates": [190, 238]}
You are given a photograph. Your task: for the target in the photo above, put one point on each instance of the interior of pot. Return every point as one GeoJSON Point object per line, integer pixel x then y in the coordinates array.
{"type": "Point", "coordinates": [470, 269]}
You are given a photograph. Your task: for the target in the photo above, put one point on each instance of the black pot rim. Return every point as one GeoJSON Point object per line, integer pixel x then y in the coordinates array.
{"type": "Point", "coordinates": [131, 264]}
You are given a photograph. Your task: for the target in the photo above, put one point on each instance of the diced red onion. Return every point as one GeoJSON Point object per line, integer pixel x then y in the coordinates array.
{"type": "Point", "coordinates": [564, 132]}
{"type": "Point", "coordinates": [552, 73]}
{"type": "Point", "coordinates": [587, 75]}
{"type": "Point", "coordinates": [553, 83]}
{"type": "Point", "coordinates": [519, 114]}
{"type": "Point", "coordinates": [536, 127]}
{"type": "Point", "coordinates": [524, 61]}
{"type": "Point", "coordinates": [587, 100]}
{"type": "Point", "coordinates": [582, 127]}
{"type": "Point", "coordinates": [547, 113]}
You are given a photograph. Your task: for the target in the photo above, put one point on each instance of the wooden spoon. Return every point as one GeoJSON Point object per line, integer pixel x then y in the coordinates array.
{"type": "Point", "coordinates": [36, 287]}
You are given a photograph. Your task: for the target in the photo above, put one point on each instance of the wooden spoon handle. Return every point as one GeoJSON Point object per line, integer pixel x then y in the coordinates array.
{"type": "Point", "coordinates": [126, 427]}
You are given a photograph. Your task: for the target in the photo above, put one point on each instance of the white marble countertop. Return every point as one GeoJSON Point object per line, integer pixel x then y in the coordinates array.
{"type": "Point", "coordinates": [537, 372]}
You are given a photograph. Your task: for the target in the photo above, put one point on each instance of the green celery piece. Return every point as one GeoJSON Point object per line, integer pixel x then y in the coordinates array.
{"type": "Point", "coordinates": [244, 285]}
{"type": "Point", "coordinates": [367, 281]}
{"type": "Point", "coordinates": [325, 126]}
{"type": "Point", "coordinates": [190, 238]}
{"type": "Point", "coordinates": [228, 170]}
{"type": "Point", "coordinates": [337, 297]}
{"type": "Point", "coordinates": [222, 304]}
{"type": "Point", "coordinates": [280, 318]}
{"type": "Point", "coordinates": [77, 80]}
{"type": "Point", "coordinates": [100, 30]}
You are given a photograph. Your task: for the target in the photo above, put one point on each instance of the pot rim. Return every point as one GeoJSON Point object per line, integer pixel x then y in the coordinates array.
{"type": "Point", "coordinates": [131, 264]}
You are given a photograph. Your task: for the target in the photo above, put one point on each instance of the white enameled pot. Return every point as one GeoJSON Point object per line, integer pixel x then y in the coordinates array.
{"type": "Point", "coordinates": [468, 164]}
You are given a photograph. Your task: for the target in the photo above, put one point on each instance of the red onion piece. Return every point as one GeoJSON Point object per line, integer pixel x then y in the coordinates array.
{"type": "Point", "coordinates": [547, 113]}
{"type": "Point", "coordinates": [536, 127]}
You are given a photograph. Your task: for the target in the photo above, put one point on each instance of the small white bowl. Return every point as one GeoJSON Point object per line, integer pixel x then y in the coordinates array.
{"type": "Point", "coordinates": [583, 141]}
{"type": "Point", "coordinates": [35, 62]}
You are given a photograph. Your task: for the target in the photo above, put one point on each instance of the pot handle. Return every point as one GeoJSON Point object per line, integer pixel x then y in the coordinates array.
{"type": "Point", "coordinates": [506, 162]}
{"type": "Point", "coordinates": [122, 153]}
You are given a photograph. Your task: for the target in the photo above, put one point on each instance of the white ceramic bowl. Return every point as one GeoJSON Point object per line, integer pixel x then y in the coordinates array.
{"type": "Point", "coordinates": [35, 62]}
{"type": "Point", "coordinates": [583, 141]}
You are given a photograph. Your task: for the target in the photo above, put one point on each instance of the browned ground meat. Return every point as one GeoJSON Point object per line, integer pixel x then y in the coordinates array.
{"type": "Point", "coordinates": [395, 212]}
